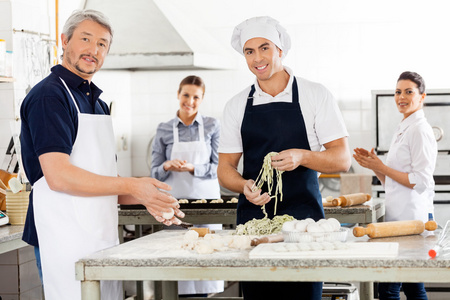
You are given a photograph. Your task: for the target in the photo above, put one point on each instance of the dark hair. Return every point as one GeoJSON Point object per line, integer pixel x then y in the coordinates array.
{"type": "Point", "coordinates": [192, 79]}
{"type": "Point", "coordinates": [414, 77]}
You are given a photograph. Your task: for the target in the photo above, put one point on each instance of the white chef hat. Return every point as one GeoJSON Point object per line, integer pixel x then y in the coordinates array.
{"type": "Point", "coordinates": [264, 27]}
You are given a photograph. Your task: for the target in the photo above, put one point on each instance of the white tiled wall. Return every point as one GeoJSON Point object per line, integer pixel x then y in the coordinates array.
{"type": "Point", "coordinates": [364, 50]}
{"type": "Point", "coordinates": [154, 100]}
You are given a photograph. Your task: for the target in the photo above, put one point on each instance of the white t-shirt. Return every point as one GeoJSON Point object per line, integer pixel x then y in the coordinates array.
{"type": "Point", "coordinates": [323, 119]}
{"type": "Point", "coordinates": [413, 150]}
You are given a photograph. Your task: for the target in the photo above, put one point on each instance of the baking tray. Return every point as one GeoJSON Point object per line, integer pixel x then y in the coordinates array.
{"type": "Point", "coordinates": [191, 205]}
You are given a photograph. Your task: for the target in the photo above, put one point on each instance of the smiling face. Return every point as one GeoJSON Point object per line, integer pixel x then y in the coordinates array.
{"type": "Point", "coordinates": [263, 58]}
{"type": "Point", "coordinates": [190, 97]}
{"type": "Point", "coordinates": [86, 50]}
{"type": "Point", "coordinates": [408, 98]}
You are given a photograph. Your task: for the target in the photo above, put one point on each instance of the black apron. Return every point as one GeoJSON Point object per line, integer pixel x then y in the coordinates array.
{"type": "Point", "coordinates": [276, 127]}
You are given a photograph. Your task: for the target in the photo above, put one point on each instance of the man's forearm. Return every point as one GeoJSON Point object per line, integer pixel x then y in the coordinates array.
{"type": "Point", "coordinates": [329, 161]}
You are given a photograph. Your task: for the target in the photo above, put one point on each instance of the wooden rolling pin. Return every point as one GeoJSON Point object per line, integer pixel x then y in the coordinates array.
{"type": "Point", "coordinates": [351, 199]}
{"type": "Point", "coordinates": [267, 239]}
{"type": "Point", "coordinates": [396, 228]}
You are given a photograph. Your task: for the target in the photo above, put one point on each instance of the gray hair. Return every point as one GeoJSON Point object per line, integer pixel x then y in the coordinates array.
{"type": "Point", "coordinates": [79, 16]}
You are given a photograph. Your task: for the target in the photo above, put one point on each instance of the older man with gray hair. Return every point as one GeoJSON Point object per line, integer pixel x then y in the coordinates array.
{"type": "Point", "coordinates": [68, 151]}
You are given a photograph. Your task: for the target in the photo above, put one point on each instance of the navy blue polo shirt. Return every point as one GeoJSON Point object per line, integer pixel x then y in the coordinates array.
{"type": "Point", "coordinates": [50, 123]}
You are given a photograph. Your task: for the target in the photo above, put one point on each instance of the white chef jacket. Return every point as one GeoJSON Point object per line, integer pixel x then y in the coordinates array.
{"type": "Point", "coordinates": [413, 150]}
{"type": "Point", "coordinates": [323, 119]}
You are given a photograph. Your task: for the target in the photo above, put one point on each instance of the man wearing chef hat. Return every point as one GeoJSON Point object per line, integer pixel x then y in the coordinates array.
{"type": "Point", "coordinates": [287, 114]}
{"type": "Point", "coordinates": [68, 151]}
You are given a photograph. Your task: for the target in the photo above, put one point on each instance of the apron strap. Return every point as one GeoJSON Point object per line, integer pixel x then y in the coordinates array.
{"type": "Point", "coordinates": [70, 93]}
{"type": "Point", "coordinates": [201, 132]}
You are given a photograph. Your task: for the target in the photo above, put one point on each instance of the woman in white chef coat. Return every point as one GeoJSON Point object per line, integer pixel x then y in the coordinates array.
{"type": "Point", "coordinates": [407, 175]}
{"type": "Point", "coordinates": [185, 155]}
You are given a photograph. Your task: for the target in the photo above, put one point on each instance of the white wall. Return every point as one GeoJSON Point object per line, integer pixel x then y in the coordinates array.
{"type": "Point", "coordinates": [27, 15]}
{"type": "Point", "coordinates": [352, 47]}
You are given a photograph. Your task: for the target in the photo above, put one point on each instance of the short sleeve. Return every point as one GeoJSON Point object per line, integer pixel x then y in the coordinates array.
{"type": "Point", "coordinates": [230, 124]}
{"type": "Point", "coordinates": [52, 125]}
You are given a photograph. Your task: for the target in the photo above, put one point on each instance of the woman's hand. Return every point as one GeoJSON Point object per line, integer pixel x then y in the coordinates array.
{"type": "Point", "coordinates": [255, 197]}
{"type": "Point", "coordinates": [178, 165]}
{"type": "Point", "coordinates": [187, 167]}
{"type": "Point", "coordinates": [368, 159]}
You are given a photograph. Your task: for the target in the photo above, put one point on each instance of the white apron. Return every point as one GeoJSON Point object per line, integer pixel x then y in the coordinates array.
{"type": "Point", "coordinates": [187, 186]}
{"type": "Point", "coordinates": [70, 227]}
{"type": "Point", "coordinates": [182, 183]}
{"type": "Point", "coordinates": [403, 203]}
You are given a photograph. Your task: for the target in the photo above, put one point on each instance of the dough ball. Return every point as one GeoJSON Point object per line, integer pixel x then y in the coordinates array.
{"type": "Point", "coordinates": [327, 227]}
{"type": "Point", "coordinates": [335, 223]}
{"type": "Point", "coordinates": [189, 245]}
{"type": "Point", "coordinates": [241, 242]}
{"type": "Point", "coordinates": [309, 220]}
{"type": "Point", "coordinates": [204, 247]}
{"type": "Point", "coordinates": [217, 243]}
{"type": "Point", "coordinates": [288, 226]}
{"type": "Point", "coordinates": [168, 215]}
{"type": "Point", "coordinates": [321, 221]}
{"type": "Point", "coordinates": [300, 226]}
{"type": "Point", "coordinates": [313, 227]}
{"type": "Point", "coordinates": [191, 235]}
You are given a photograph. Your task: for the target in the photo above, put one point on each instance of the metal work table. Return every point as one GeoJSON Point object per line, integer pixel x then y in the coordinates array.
{"type": "Point", "coordinates": [370, 212]}
{"type": "Point", "coordinates": [11, 238]}
{"type": "Point", "coordinates": [158, 256]}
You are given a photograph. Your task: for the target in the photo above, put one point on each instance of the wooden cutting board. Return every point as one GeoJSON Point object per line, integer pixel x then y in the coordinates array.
{"type": "Point", "coordinates": [353, 250]}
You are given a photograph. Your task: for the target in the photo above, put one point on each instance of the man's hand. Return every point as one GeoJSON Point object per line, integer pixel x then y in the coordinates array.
{"type": "Point", "coordinates": [151, 193]}
{"type": "Point", "coordinates": [288, 160]}
{"type": "Point", "coordinates": [255, 197]}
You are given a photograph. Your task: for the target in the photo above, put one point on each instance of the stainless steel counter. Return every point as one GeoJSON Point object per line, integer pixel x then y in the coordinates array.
{"type": "Point", "coordinates": [159, 257]}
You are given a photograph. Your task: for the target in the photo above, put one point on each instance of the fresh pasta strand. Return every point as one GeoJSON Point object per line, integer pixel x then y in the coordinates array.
{"type": "Point", "coordinates": [266, 175]}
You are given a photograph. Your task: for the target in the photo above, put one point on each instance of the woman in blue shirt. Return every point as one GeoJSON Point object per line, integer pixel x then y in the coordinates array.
{"type": "Point", "coordinates": [185, 155]}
